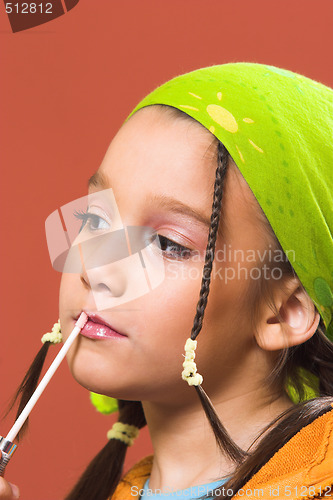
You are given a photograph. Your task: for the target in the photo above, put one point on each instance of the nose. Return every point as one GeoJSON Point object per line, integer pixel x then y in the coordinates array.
{"type": "Point", "coordinates": [116, 272]}
{"type": "Point", "coordinates": [101, 269]}
{"type": "Point", "coordinates": [107, 280]}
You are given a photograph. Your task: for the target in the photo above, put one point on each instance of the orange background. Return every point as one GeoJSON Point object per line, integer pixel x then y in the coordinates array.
{"type": "Point", "coordinates": [66, 86]}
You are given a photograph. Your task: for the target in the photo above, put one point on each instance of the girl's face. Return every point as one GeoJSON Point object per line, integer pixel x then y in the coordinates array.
{"type": "Point", "coordinates": [156, 166]}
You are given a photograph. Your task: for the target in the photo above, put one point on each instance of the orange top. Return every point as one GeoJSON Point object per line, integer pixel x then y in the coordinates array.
{"type": "Point", "coordinates": [301, 469]}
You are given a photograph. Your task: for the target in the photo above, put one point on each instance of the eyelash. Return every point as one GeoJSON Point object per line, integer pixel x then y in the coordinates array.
{"type": "Point", "coordinates": [87, 216]}
{"type": "Point", "coordinates": [182, 251]}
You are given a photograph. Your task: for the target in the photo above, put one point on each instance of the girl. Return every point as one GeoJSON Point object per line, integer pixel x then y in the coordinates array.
{"type": "Point", "coordinates": [231, 168]}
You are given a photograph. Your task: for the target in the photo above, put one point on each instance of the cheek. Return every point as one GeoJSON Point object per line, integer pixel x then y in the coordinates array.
{"type": "Point", "coordinates": [65, 291]}
{"type": "Point", "coordinates": [69, 297]}
{"type": "Point", "coordinates": [227, 330]}
{"type": "Point", "coordinates": [170, 310]}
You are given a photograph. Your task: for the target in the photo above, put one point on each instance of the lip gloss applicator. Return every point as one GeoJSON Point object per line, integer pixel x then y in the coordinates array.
{"type": "Point", "coordinates": [7, 446]}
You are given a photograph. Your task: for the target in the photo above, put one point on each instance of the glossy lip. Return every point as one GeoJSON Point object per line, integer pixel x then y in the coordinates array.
{"type": "Point", "coordinates": [95, 318]}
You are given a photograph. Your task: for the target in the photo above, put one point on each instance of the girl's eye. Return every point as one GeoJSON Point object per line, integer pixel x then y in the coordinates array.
{"type": "Point", "coordinates": [170, 249]}
{"type": "Point", "coordinates": [92, 221]}
{"type": "Point", "coordinates": [173, 250]}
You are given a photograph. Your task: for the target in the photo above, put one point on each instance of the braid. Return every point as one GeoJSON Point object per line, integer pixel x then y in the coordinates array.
{"type": "Point", "coordinates": [28, 386]}
{"type": "Point", "coordinates": [224, 441]}
{"type": "Point", "coordinates": [102, 475]}
{"type": "Point", "coordinates": [222, 162]}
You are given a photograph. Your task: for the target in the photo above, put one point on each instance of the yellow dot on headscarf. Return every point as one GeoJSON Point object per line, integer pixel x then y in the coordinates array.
{"type": "Point", "coordinates": [240, 153]}
{"type": "Point", "coordinates": [219, 96]}
{"type": "Point", "coordinates": [195, 95]}
{"type": "Point", "coordinates": [248, 120]}
{"type": "Point", "coordinates": [212, 129]}
{"type": "Point", "coordinates": [223, 117]}
{"type": "Point", "coordinates": [185, 106]}
{"type": "Point", "coordinates": [255, 146]}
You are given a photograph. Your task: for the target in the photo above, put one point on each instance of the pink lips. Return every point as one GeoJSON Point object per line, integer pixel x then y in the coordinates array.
{"type": "Point", "coordinates": [97, 328]}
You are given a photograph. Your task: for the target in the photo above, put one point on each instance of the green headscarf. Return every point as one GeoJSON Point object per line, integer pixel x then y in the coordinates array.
{"type": "Point", "coordinates": [277, 126]}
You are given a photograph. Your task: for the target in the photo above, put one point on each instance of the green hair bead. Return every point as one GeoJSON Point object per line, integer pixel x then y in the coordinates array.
{"type": "Point", "coordinates": [104, 404]}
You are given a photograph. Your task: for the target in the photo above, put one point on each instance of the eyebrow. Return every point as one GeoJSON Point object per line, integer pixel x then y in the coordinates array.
{"type": "Point", "coordinates": [98, 179]}
{"type": "Point", "coordinates": [178, 207]}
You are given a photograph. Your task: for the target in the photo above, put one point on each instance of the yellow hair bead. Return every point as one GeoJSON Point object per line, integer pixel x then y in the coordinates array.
{"type": "Point", "coordinates": [124, 432]}
{"type": "Point", "coordinates": [54, 336]}
{"type": "Point", "coordinates": [196, 379]}
{"type": "Point", "coordinates": [190, 368]}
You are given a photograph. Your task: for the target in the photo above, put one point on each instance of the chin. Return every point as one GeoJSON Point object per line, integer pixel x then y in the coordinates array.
{"type": "Point", "coordinates": [90, 375]}
{"type": "Point", "coordinates": [90, 372]}
{"type": "Point", "coordinates": [90, 383]}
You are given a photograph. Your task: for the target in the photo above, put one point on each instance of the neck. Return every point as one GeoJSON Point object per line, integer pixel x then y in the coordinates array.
{"type": "Point", "coordinates": [185, 450]}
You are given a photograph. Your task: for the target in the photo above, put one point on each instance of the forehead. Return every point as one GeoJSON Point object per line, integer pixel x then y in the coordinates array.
{"type": "Point", "coordinates": [156, 151]}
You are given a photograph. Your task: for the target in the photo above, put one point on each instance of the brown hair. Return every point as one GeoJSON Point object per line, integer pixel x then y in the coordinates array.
{"type": "Point", "coordinates": [310, 363]}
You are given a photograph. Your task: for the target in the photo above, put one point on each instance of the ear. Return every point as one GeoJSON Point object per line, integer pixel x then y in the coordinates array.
{"type": "Point", "coordinates": [296, 321]}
